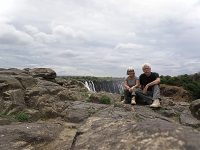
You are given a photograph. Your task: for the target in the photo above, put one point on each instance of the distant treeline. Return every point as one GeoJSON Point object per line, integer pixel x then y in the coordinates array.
{"type": "Point", "coordinates": [91, 78]}
{"type": "Point", "coordinates": [191, 83]}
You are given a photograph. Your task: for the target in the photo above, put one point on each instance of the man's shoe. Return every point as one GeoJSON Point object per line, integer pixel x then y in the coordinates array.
{"type": "Point", "coordinates": [133, 101]}
{"type": "Point", "coordinates": [155, 104]}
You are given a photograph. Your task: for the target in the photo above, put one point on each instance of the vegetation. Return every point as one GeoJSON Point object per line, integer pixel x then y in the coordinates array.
{"type": "Point", "coordinates": [160, 110]}
{"type": "Point", "coordinates": [191, 83]}
{"type": "Point", "coordinates": [84, 92]}
{"type": "Point", "coordinates": [20, 116]}
{"type": "Point", "coordinates": [6, 116]}
{"type": "Point", "coordinates": [91, 78]}
{"type": "Point", "coordinates": [105, 99]}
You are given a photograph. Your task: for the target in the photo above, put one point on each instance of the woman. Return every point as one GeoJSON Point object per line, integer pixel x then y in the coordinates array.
{"type": "Point", "coordinates": [130, 84]}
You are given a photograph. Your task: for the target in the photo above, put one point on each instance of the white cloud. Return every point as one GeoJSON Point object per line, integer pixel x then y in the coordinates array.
{"type": "Point", "coordinates": [31, 29]}
{"type": "Point", "coordinates": [129, 46]}
{"type": "Point", "coordinates": [11, 36]}
{"type": "Point", "coordinates": [68, 33]}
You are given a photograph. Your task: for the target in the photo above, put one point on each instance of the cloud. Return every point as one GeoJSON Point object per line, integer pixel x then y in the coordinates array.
{"type": "Point", "coordinates": [67, 53]}
{"type": "Point", "coordinates": [9, 35]}
{"type": "Point", "coordinates": [129, 46]}
{"type": "Point", "coordinates": [68, 33]}
{"type": "Point", "coordinates": [101, 38]}
{"type": "Point", "coordinates": [31, 29]}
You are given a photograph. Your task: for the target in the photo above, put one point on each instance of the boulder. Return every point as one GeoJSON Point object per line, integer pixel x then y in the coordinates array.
{"type": "Point", "coordinates": [45, 73]}
{"type": "Point", "coordinates": [195, 108]}
{"type": "Point", "coordinates": [187, 119]}
{"type": "Point", "coordinates": [109, 134]}
{"type": "Point", "coordinates": [97, 97]}
{"type": "Point", "coordinates": [51, 135]}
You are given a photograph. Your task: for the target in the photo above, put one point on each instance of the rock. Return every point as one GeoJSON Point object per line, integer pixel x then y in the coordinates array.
{"type": "Point", "coordinates": [4, 121]}
{"type": "Point", "coordinates": [45, 73]}
{"type": "Point", "coordinates": [74, 84]}
{"type": "Point", "coordinates": [195, 108]}
{"type": "Point", "coordinates": [110, 134]}
{"type": "Point", "coordinates": [9, 83]}
{"type": "Point", "coordinates": [51, 135]}
{"type": "Point", "coordinates": [183, 103]}
{"type": "Point", "coordinates": [26, 81]}
{"type": "Point", "coordinates": [65, 115]}
{"type": "Point", "coordinates": [97, 97]}
{"type": "Point", "coordinates": [12, 71]}
{"type": "Point", "coordinates": [169, 113]}
{"type": "Point", "coordinates": [178, 93]}
{"type": "Point", "coordinates": [77, 112]}
{"type": "Point", "coordinates": [167, 101]}
{"type": "Point", "coordinates": [13, 101]}
{"type": "Point", "coordinates": [187, 119]}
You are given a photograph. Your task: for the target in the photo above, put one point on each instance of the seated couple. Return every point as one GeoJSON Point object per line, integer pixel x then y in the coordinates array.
{"type": "Point", "coordinates": [149, 93]}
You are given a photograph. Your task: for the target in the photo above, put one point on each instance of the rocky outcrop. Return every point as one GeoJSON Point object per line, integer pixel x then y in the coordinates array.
{"type": "Point", "coordinates": [45, 73]}
{"type": "Point", "coordinates": [177, 93]}
{"type": "Point", "coordinates": [155, 133]}
{"type": "Point", "coordinates": [64, 115]}
{"type": "Point", "coordinates": [195, 108]}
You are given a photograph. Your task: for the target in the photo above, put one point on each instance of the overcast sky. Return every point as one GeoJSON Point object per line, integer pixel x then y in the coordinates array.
{"type": "Point", "coordinates": [101, 37]}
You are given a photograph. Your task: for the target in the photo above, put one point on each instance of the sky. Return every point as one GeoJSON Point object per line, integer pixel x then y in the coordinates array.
{"type": "Point", "coordinates": [101, 38]}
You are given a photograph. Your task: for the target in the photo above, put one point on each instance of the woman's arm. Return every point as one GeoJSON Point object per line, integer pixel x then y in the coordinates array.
{"type": "Point", "coordinates": [126, 85]}
{"type": "Point", "coordinates": [136, 84]}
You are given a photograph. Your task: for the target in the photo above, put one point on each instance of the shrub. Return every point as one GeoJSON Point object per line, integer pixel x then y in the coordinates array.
{"type": "Point", "coordinates": [21, 116]}
{"type": "Point", "coordinates": [105, 99]}
{"type": "Point", "coordinates": [82, 90]}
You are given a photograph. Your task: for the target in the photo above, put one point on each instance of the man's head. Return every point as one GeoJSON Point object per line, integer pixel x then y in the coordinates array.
{"type": "Point", "coordinates": [146, 68]}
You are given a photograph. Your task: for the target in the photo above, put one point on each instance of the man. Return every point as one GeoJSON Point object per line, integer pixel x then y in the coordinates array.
{"type": "Point", "coordinates": [150, 91]}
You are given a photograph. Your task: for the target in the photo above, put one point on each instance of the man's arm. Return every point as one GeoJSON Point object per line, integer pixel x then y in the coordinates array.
{"type": "Point", "coordinates": [155, 82]}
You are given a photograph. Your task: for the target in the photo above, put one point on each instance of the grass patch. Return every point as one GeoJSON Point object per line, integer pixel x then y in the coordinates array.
{"type": "Point", "coordinates": [176, 118]}
{"type": "Point", "coordinates": [178, 114]}
{"type": "Point", "coordinates": [6, 116]}
{"type": "Point", "coordinates": [82, 90]}
{"type": "Point", "coordinates": [105, 99]}
{"type": "Point", "coordinates": [20, 116]}
{"type": "Point", "coordinates": [160, 110]}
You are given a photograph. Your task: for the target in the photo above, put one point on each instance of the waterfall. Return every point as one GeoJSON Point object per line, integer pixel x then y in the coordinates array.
{"type": "Point", "coordinates": [116, 87]}
{"type": "Point", "coordinates": [90, 86]}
